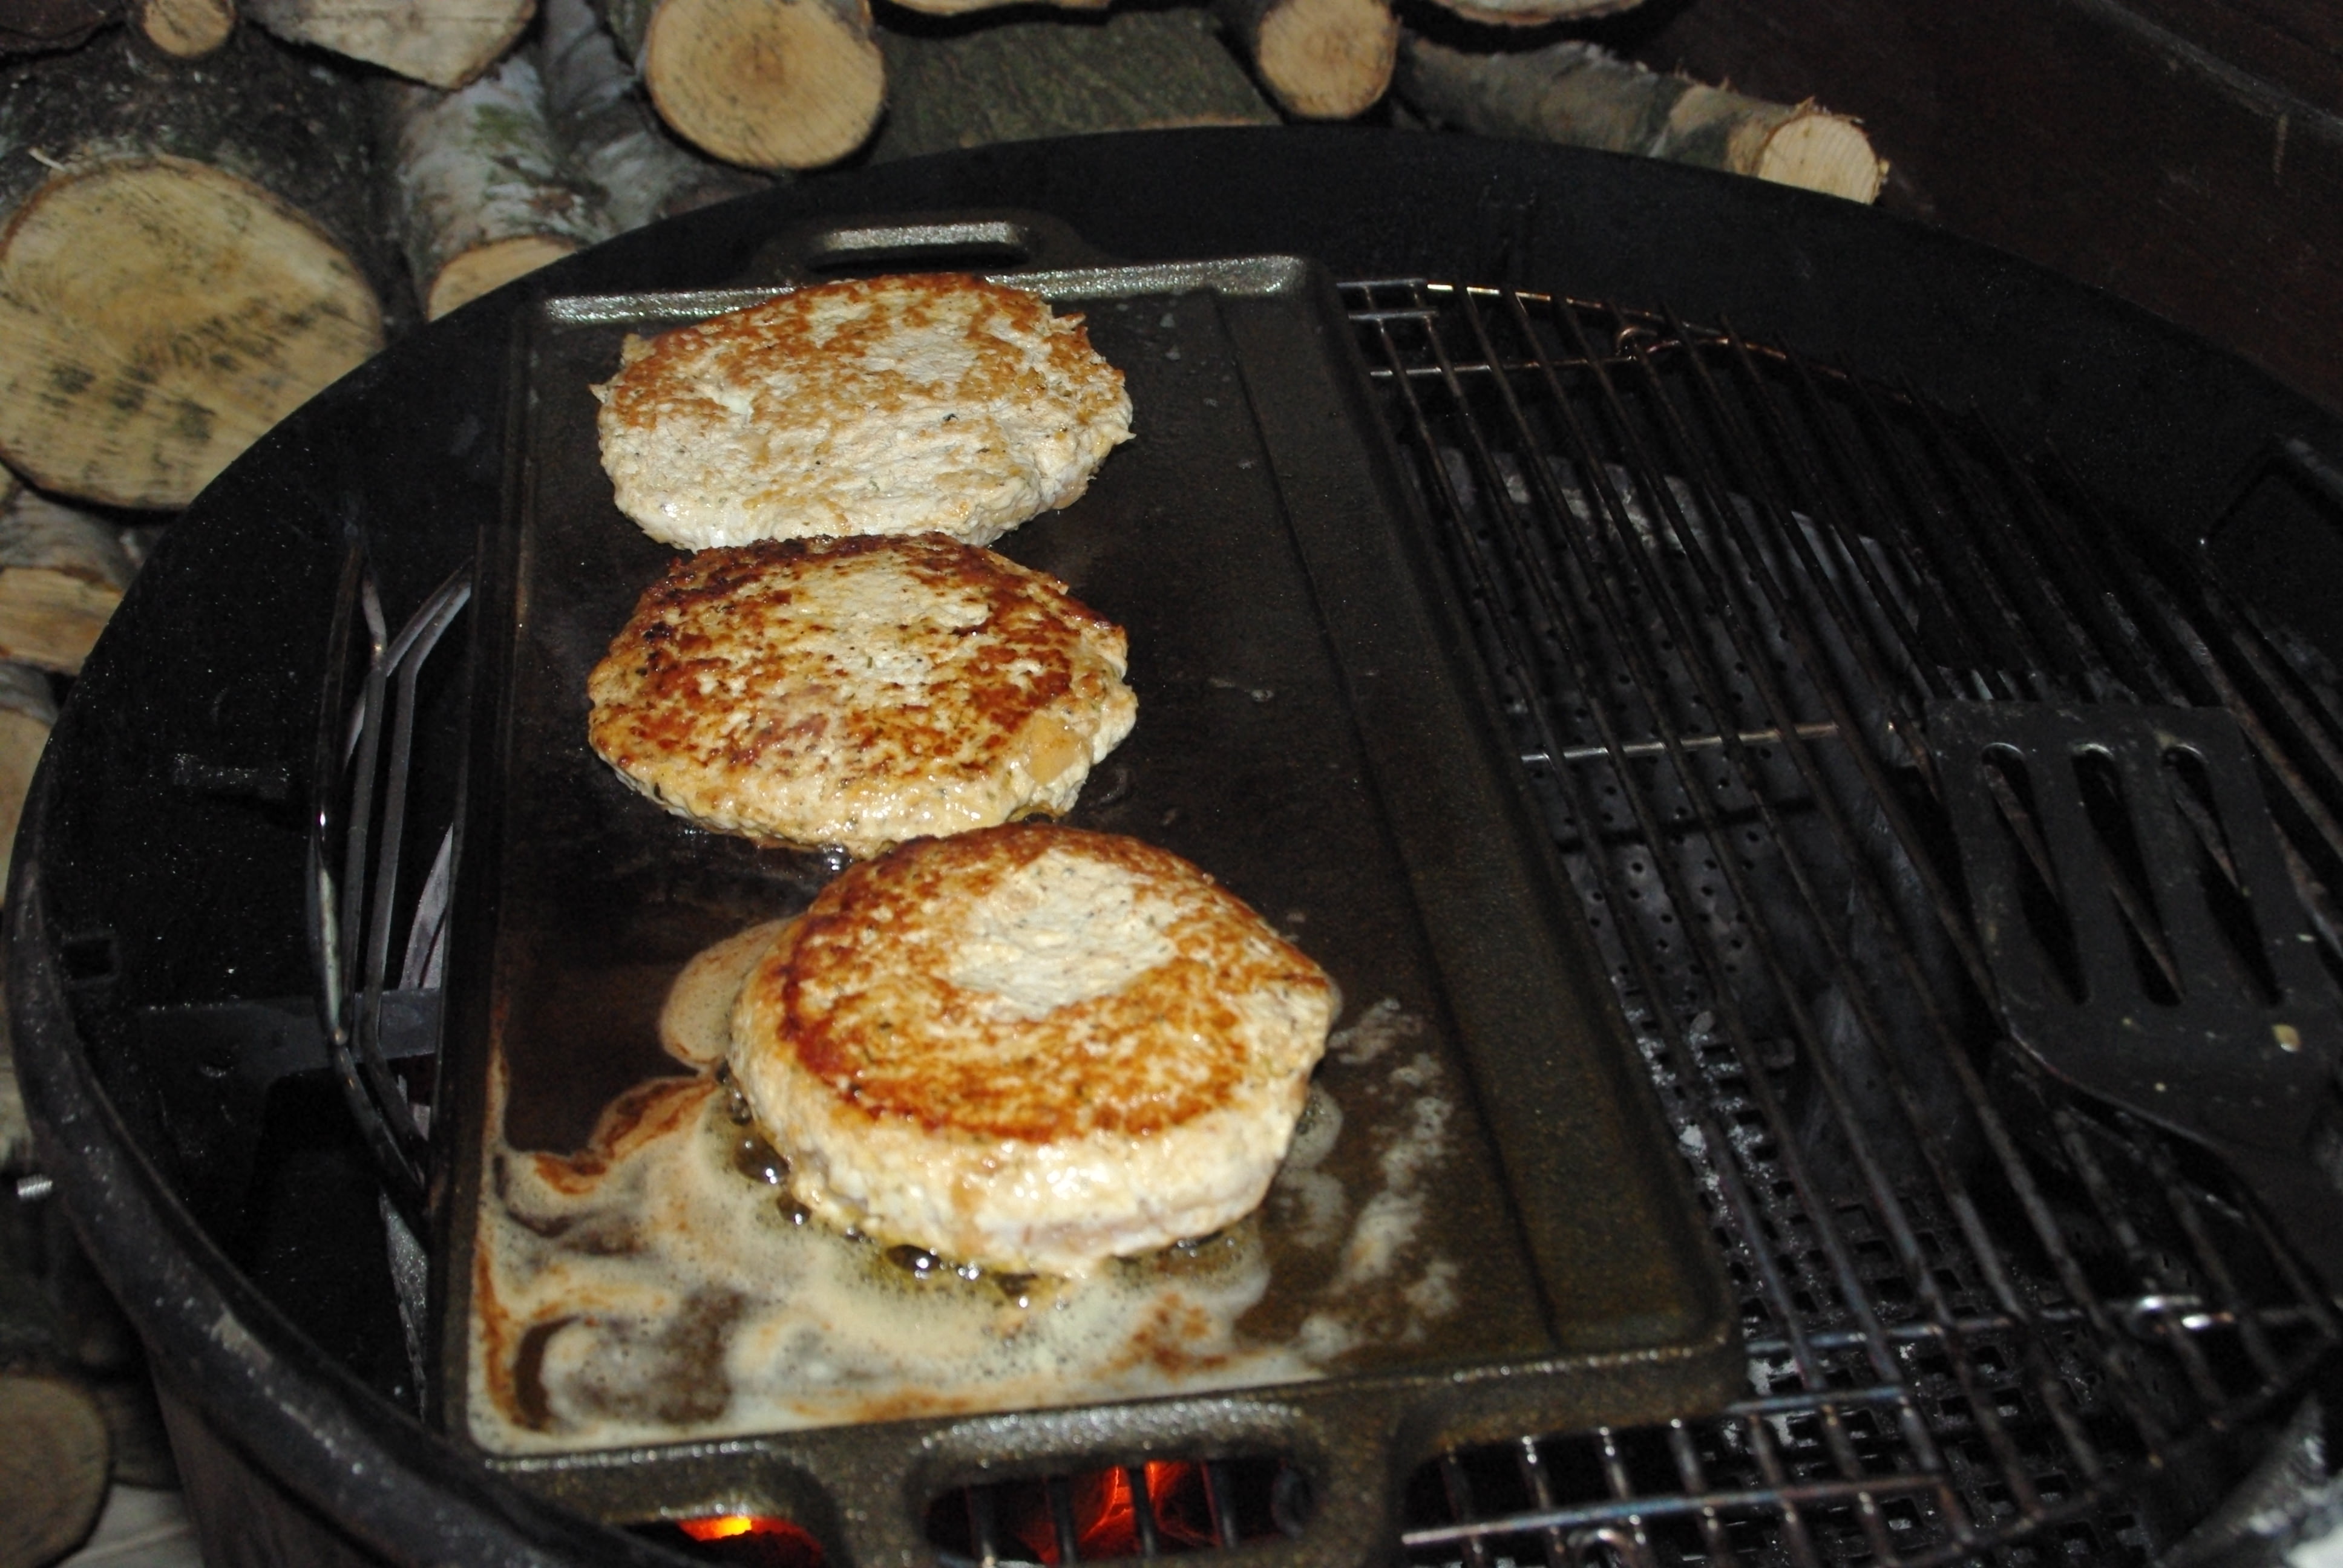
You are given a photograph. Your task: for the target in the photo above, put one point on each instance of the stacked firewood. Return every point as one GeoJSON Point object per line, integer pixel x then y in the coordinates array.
{"type": "Point", "coordinates": [191, 194]}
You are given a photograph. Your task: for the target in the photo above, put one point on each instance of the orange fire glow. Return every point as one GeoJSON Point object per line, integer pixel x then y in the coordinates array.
{"type": "Point", "coordinates": [722, 1525]}
{"type": "Point", "coordinates": [1106, 1516]}
{"type": "Point", "coordinates": [755, 1539]}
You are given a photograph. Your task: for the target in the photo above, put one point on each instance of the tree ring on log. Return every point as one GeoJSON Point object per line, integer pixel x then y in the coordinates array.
{"type": "Point", "coordinates": [156, 315]}
{"type": "Point", "coordinates": [766, 84]}
{"type": "Point", "coordinates": [186, 29]}
{"type": "Point", "coordinates": [1327, 59]}
{"type": "Point", "coordinates": [490, 266]}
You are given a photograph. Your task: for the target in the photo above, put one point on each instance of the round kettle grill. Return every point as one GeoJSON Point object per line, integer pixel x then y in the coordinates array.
{"type": "Point", "coordinates": [1756, 498]}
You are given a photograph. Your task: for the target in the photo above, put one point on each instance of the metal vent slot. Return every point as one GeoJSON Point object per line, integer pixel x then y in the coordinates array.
{"type": "Point", "coordinates": [1158, 1508]}
{"type": "Point", "coordinates": [1721, 588]}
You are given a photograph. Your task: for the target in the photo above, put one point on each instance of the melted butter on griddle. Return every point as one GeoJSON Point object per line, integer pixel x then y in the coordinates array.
{"type": "Point", "coordinates": [661, 1285]}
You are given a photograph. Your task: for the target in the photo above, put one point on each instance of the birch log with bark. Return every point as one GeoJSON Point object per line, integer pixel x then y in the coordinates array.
{"type": "Point", "coordinates": [1577, 93]}
{"type": "Point", "coordinates": [482, 194]}
{"type": "Point", "coordinates": [189, 252]}
{"type": "Point", "coordinates": [639, 173]}
{"type": "Point", "coordinates": [1319, 59]}
{"type": "Point", "coordinates": [62, 573]}
{"type": "Point", "coordinates": [764, 83]}
{"type": "Point", "coordinates": [965, 85]}
{"type": "Point", "coordinates": [186, 29]}
{"type": "Point", "coordinates": [445, 42]}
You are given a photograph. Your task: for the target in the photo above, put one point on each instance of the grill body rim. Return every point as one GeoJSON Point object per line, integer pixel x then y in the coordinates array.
{"type": "Point", "coordinates": [1798, 268]}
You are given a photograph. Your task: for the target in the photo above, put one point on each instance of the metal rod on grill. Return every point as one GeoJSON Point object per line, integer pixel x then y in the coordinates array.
{"type": "Point", "coordinates": [1731, 1187]}
{"type": "Point", "coordinates": [1730, 1183]}
{"type": "Point", "coordinates": [1720, 506]}
{"type": "Point", "coordinates": [1661, 595]}
{"type": "Point", "coordinates": [1879, 909]}
{"type": "Point", "coordinates": [1061, 1494]}
{"type": "Point", "coordinates": [1221, 1504]}
{"type": "Point", "coordinates": [1143, 1511]}
{"type": "Point", "coordinates": [1695, 1477]}
{"type": "Point", "coordinates": [1458, 1488]}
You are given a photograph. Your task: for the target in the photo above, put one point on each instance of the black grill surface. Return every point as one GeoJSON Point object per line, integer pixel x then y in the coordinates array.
{"type": "Point", "coordinates": [1721, 585]}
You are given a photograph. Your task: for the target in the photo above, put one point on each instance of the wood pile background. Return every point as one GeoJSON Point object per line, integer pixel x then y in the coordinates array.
{"type": "Point", "coordinates": [210, 210]}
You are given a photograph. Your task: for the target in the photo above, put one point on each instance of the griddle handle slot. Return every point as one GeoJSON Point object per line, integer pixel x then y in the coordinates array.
{"type": "Point", "coordinates": [992, 241]}
{"type": "Point", "coordinates": [1346, 1442]}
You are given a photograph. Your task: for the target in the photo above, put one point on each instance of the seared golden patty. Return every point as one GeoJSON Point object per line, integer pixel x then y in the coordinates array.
{"type": "Point", "coordinates": [859, 692]}
{"type": "Point", "coordinates": [1030, 1048]}
{"type": "Point", "coordinates": [877, 406]}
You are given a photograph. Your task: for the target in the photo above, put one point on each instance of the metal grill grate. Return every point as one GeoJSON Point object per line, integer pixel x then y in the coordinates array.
{"type": "Point", "coordinates": [1720, 586]}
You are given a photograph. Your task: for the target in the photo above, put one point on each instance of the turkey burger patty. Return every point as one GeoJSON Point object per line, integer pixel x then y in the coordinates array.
{"type": "Point", "coordinates": [1030, 1048]}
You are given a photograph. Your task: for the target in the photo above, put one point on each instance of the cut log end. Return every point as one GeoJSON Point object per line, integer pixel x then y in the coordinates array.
{"type": "Point", "coordinates": [186, 29]}
{"type": "Point", "coordinates": [53, 1469]}
{"type": "Point", "coordinates": [1821, 152]}
{"type": "Point", "coordinates": [1327, 59]}
{"type": "Point", "coordinates": [156, 317]}
{"type": "Point", "coordinates": [444, 43]}
{"type": "Point", "coordinates": [766, 84]}
{"type": "Point", "coordinates": [491, 267]}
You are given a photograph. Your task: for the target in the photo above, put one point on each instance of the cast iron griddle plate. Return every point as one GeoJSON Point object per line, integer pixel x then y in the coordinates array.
{"type": "Point", "coordinates": [1311, 732]}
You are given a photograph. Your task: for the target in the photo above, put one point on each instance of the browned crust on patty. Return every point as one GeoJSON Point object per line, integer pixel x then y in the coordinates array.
{"type": "Point", "coordinates": [730, 698]}
{"type": "Point", "coordinates": [895, 405]}
{"type": "Point", "coordinates": [737, 345]}
{"type": "Point", "coordinates": [860, 985]}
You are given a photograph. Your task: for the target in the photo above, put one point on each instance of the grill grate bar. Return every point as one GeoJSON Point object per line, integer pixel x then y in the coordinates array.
{"type": "Point", "coordinates": [1558, 619]}
{"type": "Point", "coordinates": [1946, 905]}
{"type": "Point", "coordinates": [1540, 1486]}
{"type": "Point", "coordinates": [1678, 618]}
{"type": "Point", "coordinates": [1783, 1491]}
{"type": "Point", "coordinates": [1819, 731]}
{"type": "Point", "coordinates": [1722, 583]}
{"type": "Point", "coordinates": [1731, 1187]}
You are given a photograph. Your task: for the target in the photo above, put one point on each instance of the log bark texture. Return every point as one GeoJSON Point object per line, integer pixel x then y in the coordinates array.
{"type": "Point", "coordinates": [610, 135]}
{"type": "Point", "coordinates": [62, 573]}
{"type": "Point", "coordinates": [28, 709]}
{"type": "Point", "coordinates": [190, 251]}
{"type": "Point", "coordinates": [1576, 92]}
{"type": "Point", "coordinates": [186, 29]}
{"type": "Point", "coordinates": [1319, 59]}
{"type": "Point", "coordinates": [445, 42]}
{"type": "Point", "coordinates": [482, 193]}
{"type": "Point", "coordinates": [764, 83]}
{"type": "Point", "coordinates": [965, 85]}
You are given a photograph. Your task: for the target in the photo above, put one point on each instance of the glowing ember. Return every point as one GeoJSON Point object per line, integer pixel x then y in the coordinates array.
{"type": "Point", "coordinates": [1106, 1513]}
{"type": "Point", "coordinates": [753, 1539]}
{"type": "Point", "coordinates": [718, 1528]}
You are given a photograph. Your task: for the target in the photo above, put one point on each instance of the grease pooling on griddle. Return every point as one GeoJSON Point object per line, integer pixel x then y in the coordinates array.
{"type": "Point", "coordinates": [661, 1285]}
